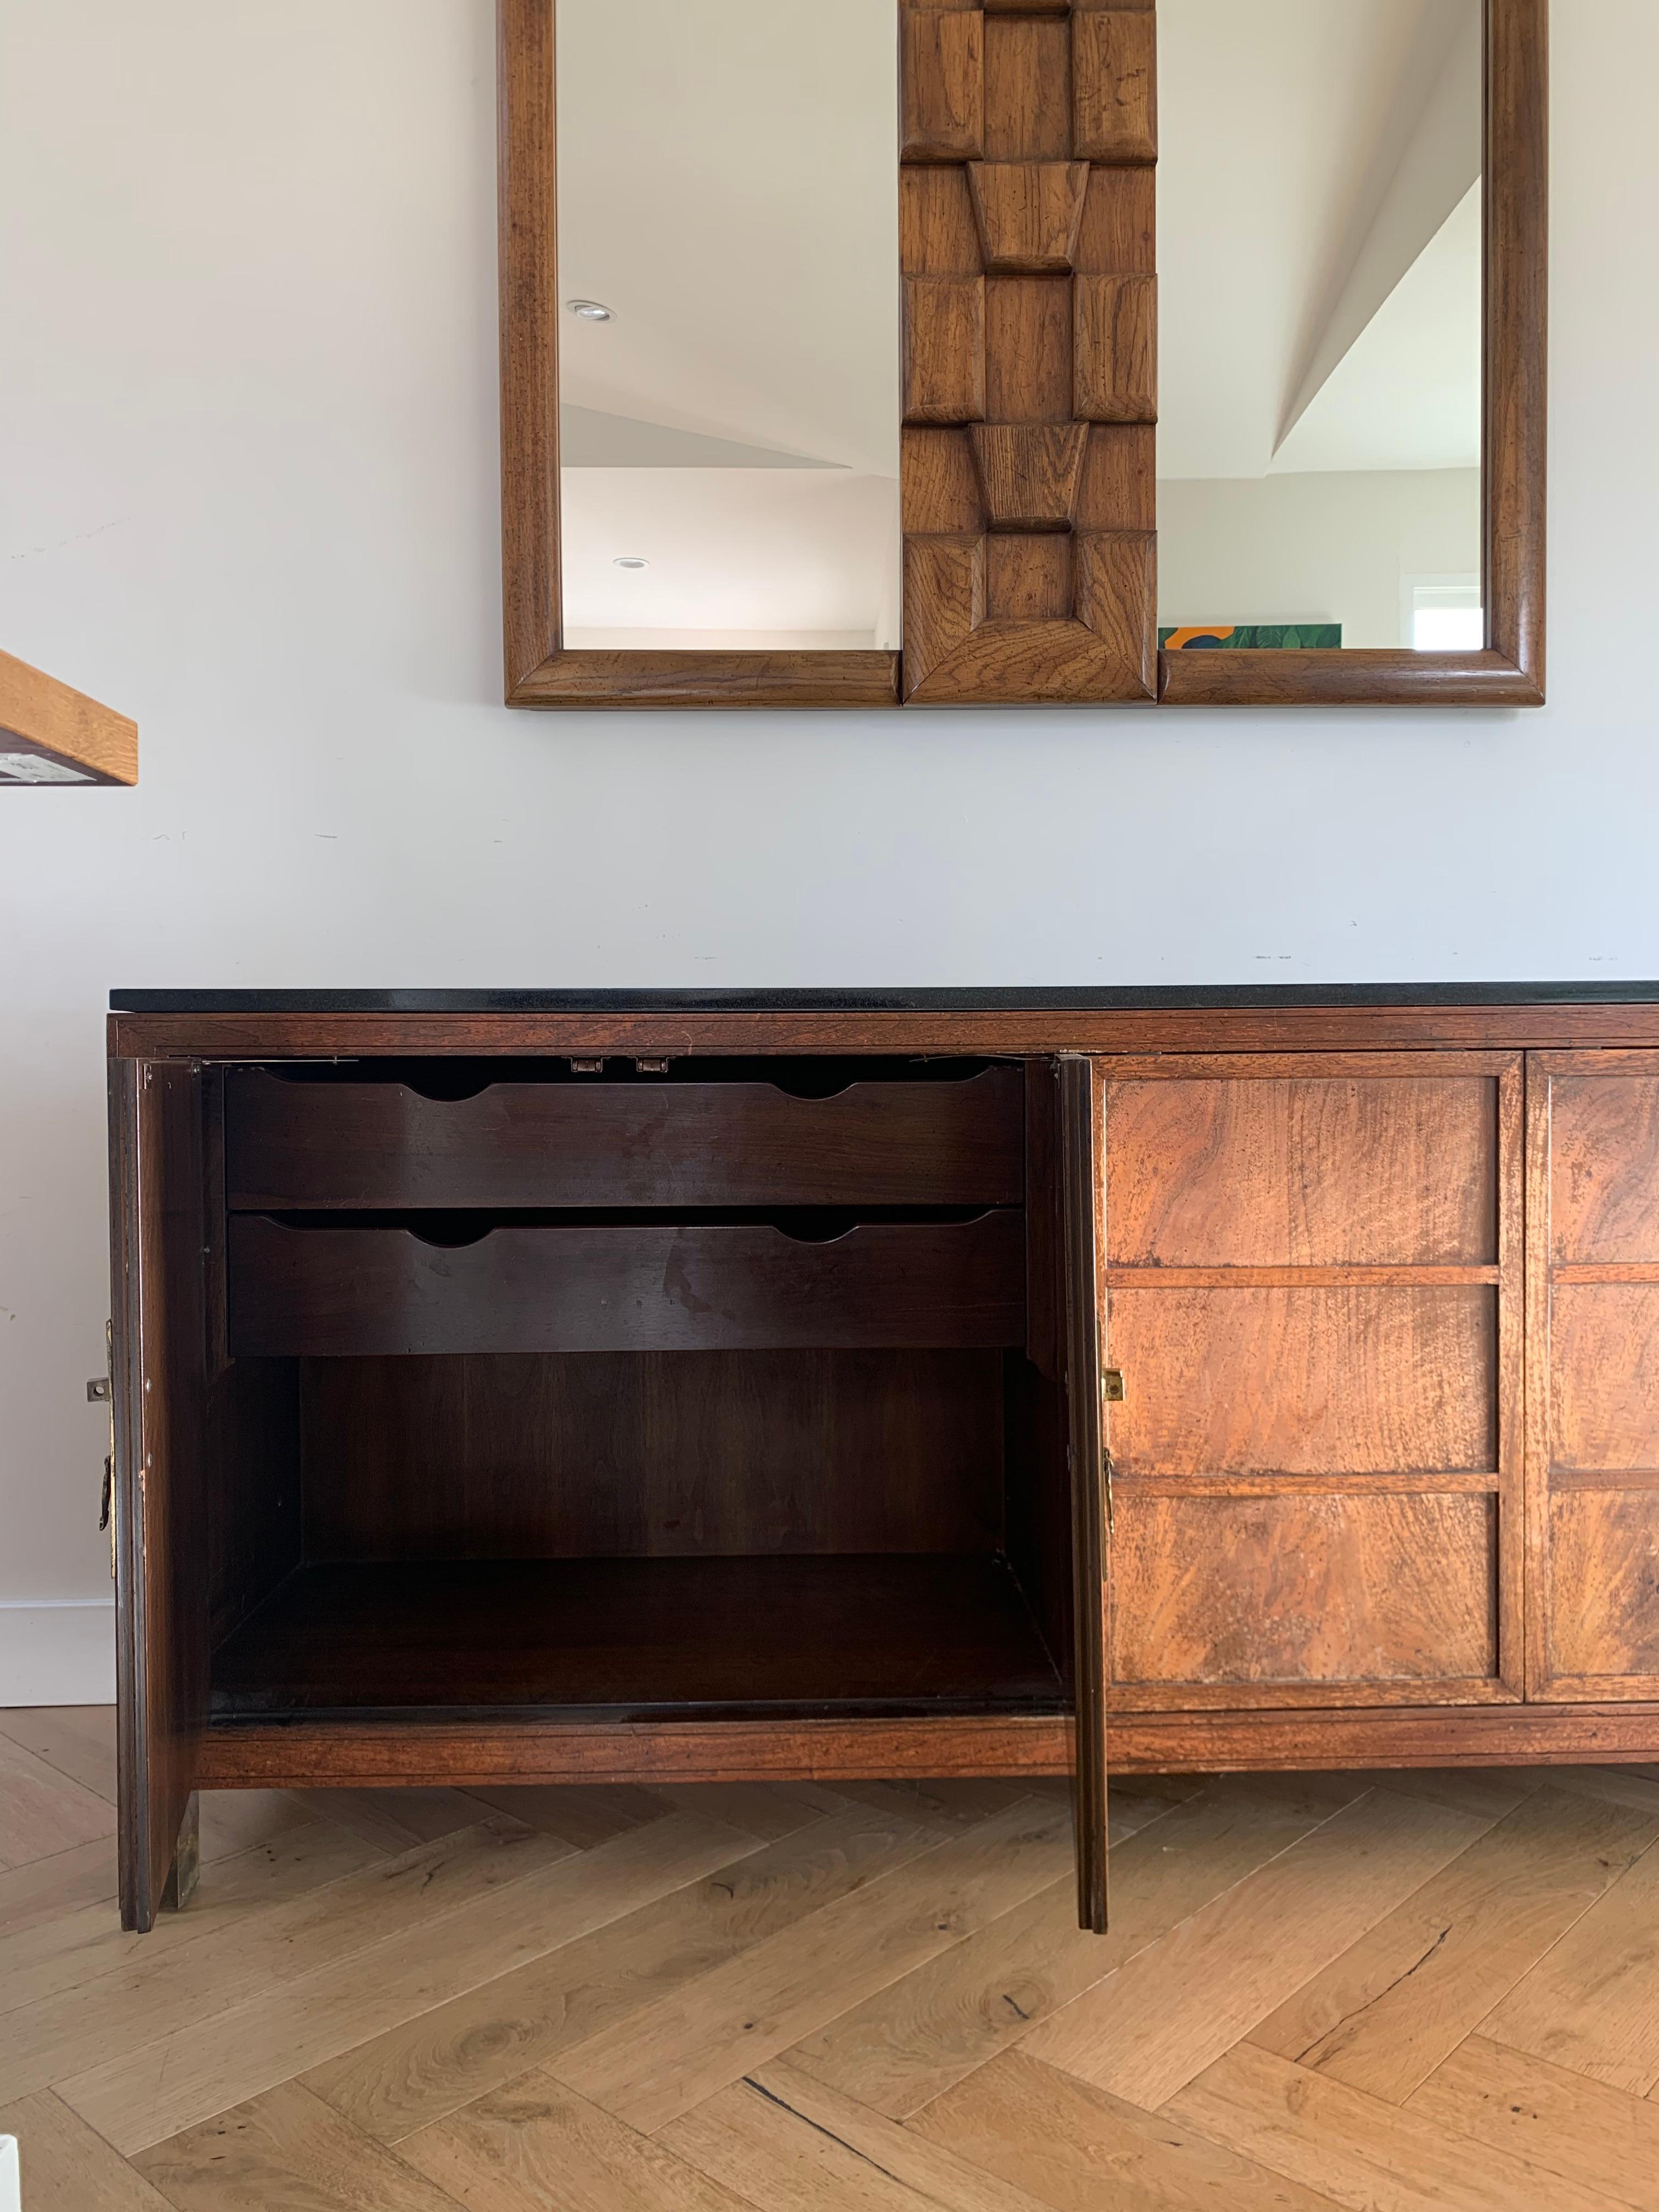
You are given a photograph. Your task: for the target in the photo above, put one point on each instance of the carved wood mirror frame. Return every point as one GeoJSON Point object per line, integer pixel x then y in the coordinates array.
{"type": "Point", "coordinates": [1027, 228]}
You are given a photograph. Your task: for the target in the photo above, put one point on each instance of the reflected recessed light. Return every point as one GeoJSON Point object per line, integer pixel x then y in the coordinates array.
{"type": "Point", "coordinates": [590, 311]}
{"type": "Point", "coordinates": [629, 561]}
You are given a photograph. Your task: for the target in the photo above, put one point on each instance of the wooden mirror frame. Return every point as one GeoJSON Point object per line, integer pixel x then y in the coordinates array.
{"type": "Point", "coordinates": [1028, 146]}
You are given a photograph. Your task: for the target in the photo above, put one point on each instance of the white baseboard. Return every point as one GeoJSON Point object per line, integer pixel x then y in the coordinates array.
{"type": "Point", "coordinates": [60, 1651]}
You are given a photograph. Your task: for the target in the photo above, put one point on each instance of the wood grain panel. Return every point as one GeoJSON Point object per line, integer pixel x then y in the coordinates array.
{"type": "Point", "coordinates": [1028, 472]}
{"type": "Point", "coordinates": [1063, 625]}
{"type": "Point", "coordinates": [1299, 1170]}
{"type": "Point", "coordinates": [1258, 1591]}
{"type": "Point", "coordinates": [1593, 1430]}
{"type": "Point", "coordinates": [1305, 1382]}
{"type": "Point", "coordinates": [1604, 1168]}
{"type": "Point", "coordinates": [1604, 1364]}
{"type": "Point", "coordinates": [1604, 1588]}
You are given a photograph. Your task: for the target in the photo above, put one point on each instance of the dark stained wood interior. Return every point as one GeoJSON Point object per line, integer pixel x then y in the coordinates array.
{"type": "Point", "coordinates": [654, 1454]}
{"type": "Point", "coordinates": [634, 1639]}
{"type": "Point", "coordinates": [588, 1141]}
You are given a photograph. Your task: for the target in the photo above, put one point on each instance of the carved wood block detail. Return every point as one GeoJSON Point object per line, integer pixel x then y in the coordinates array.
{"type": "Point", "coordinates": [943, 349]}
{"type": "Point", "coordinates": [1116, 580]}
{"type": "Point", "coordinates": [1028, 472]}
{"type": "Point", "coordinates": [942, 73]}
{"type": "Point", "coordinates": [1114, 85]}
{"type": "Point", "coordinates": [1030, 312]}
{"type": "Point", "coordinates": [1115, 349]}
{"type": "Point", "coordinates": [944, 600]}
{"type": "Point", "coordinates": [1028, 214]}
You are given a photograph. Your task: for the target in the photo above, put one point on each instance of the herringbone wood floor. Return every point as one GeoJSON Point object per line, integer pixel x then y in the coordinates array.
{"type": "Point", "coordinates": [1381, 1993]}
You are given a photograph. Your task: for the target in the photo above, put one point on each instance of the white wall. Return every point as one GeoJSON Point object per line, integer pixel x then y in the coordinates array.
{"type": "Point", "coordinates": [1314, 547]}
{"type": "Point", "coordinates": [247, 493]}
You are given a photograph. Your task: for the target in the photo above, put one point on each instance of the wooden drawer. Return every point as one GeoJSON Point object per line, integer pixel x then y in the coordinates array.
{"type": "Point", "coordinates": [666, 1144]}
{"type": "Point", "coordinates": [304, 1291]}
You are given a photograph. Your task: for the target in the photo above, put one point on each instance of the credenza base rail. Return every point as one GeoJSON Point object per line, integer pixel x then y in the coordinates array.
{"type": "Point", "coordinates": [495, 1754]}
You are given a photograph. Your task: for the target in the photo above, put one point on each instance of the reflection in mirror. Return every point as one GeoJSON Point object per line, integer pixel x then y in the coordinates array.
{"type": "Point", "coordinates": [1320, 295]}
{"type": "Point", "coordinates": [728, 250]}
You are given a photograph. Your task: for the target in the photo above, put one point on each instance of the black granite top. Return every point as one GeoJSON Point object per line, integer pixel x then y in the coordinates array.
{"type": "Point", "coordinates": [1013, 998]}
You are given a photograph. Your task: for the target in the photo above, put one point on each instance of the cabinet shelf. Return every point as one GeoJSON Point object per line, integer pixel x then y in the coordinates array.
{"type": "Point", "coordinates": [844, 1637]}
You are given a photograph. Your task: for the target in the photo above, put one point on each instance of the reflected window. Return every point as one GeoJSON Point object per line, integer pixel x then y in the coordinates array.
{"type": "Point", "coordinates": [1320, 256]}
{"type": "Point", "coordinates": [729, 372]}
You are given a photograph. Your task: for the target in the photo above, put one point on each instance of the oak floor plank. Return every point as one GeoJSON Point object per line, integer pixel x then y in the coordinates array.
{"type": "Point", "coordinates": [791, 2145]}
{"type": "Point", "coordinates": [396, 1820]}
{"type": "Point", "coordinates": [1368, 2155]}
{"type": "Point", "coordinates": [156, 1992]}
{"type": "Point", "coordinates": [1578, 2129]}
{"type": "Point", "coordinates": [43, 1812]}
{"type": "Point", "coordinates": [1614, 1785]}
{"type": "Point", "coordinates": [45, 1889]}
{"type": "Point", "coordinates": [1177, 2005]}
{"type": "Point", "coordinates": [202, 2067]}
{"type": "Point", "coordinates": [1080, 2149]}
{"type": "Point", "coordinates": [657, 2063]}
{"type": "Point", "coordinates": [583, 1814]}
{"type": "Point", "coordinates": [1489, 1792]}
{"type": "Point", "coordinates": [908, 2042]}
{"type": "Point", "coordinates": [83, 1942]}
{"type": "Point", "coordinates": [79, 1740]}
{"type": "Point", "coordinates": [445, 2058]}
{"type": "Point", "coordinates": [65, 2167]}
{"type": "Point", "coordinates": [1592, 2003]}
{"type": "Point", "coordinates": [238, 1820]}
{"type": "Point", "coordinates": [537, 2144]}
{"type": "Point", "coordinates": [769, 1810]}
{"type": "Point", "coordinates": [949, 1803]}
{"type": "Point", "coordinates": [1383, 2015]}
{"type": "Point", "coordinates": [286, 2151]}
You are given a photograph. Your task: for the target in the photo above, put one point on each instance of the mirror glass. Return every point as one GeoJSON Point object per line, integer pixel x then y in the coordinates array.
{"type": "Point", "coordinates": [729, 340]}
{"type": "Point", "coordinates": [1319, 323]}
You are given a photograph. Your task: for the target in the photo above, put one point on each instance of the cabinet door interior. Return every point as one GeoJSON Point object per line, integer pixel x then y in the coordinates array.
{"type": "Point", "coordinates": [1593, 1242]}
{"type": "Point", "coordinates": [157, 1225]}
{"type": "Point", "coordinates": [1311, 1271]}
{"type": "Point", "coordinates": [1091, 1535]}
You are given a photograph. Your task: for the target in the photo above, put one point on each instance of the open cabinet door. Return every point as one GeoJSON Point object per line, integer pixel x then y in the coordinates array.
{"type": "Point", "coordinates": [1087, 1470]}
{"type": "Point", "coordinates": [158, 1384]}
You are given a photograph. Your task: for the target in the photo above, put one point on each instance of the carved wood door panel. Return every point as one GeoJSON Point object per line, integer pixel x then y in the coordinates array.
{"type": "Point", "coordinates": [1029, 371]}
{"type": "Point", "coordinates": [1311, 1271]}
{"type": "Point", "coordinates": [1593, 1341]}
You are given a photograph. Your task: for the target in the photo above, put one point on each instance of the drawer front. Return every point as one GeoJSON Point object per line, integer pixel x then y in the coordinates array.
{"type": "Point", "coordinates": [371, 1145]}
{"type": "Point", "coordinates": [319, 1292]}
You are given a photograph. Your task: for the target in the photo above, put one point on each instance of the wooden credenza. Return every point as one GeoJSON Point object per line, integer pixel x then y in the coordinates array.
{"type": "Point", "coordinates": [558, 1387]}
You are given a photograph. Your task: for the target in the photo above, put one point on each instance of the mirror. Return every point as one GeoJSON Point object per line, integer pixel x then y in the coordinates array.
{"type": "Point", "coordinates": [727, 203]}
{"type": "Point", "coordinates": [1320, 259]}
